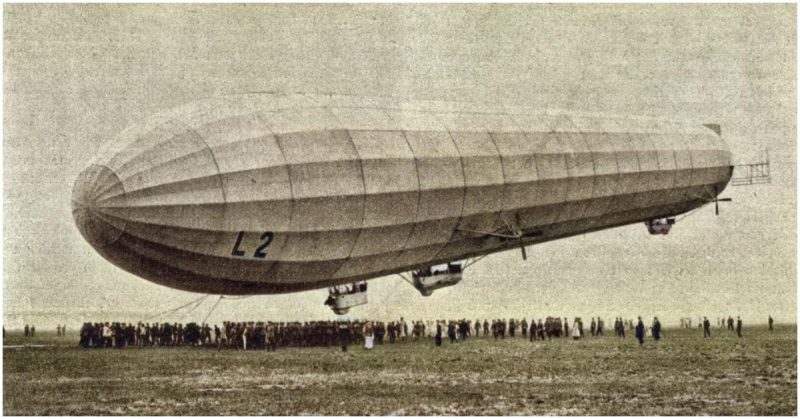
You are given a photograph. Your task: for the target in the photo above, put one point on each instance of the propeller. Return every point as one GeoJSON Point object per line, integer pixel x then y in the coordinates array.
{"type": "Point", "coordinates": [717, 200]}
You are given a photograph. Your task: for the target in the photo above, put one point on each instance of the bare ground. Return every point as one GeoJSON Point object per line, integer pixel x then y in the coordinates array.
{"type": "Point", "coordinates": [683, 374]}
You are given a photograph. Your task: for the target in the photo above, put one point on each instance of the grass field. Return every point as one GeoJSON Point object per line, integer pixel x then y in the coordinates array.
{"type": "Point", "coordinates": [683, 374]}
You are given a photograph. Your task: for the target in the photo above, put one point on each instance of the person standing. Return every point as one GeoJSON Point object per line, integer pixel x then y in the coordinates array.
{"type": "Point", "coordinates": [640, 331]}
{"type": "Point", "coordinates": [593, 327]}
{"type": "Point", "coordinates": [463, 329]}
{"type": "Point", "coordinates": [403, 329]}
{"type": "Point", "coordinates": [369, 336]}
{"type": "Point", "coordinates": [244, 331]}
{"type": "Point", "coordinates": [380, 330]}
{"type": "Point", "coordinates": [576, 330]}
{"type": "Point", "coordinates": [344, 334]}
{"type": "Point", "coordinates": [656, 329]}
{"type": "Point", "coordinates": [272, 337]}
{"type": "Point", "coordinates": [738, 326]}
{"type": "Point", "coordinates": [437, 338]}
{"type": "Point", "coordinates": [706, 328]}
{"type": "Point", "coordinates": [451, 331]}
{"type": "Point", "coordinates": [107, 338]}
{"type": "Point", "coordinates": [540, 329]}
{"type": "Point", "coordinates": [392, 329]}
{"type": "Point", "coordinates": [770, 321]}
{"type": "Point", "coordinates": [532, 330]}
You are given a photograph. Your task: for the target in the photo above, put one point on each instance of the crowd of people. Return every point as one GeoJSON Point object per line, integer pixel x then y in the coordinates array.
{"type": "Point", "coordinates": [269, 335]}
{"type": "Point", "coordinates": [733, 327]}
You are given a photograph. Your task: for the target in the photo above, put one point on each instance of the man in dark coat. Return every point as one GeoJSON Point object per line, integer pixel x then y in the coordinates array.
{"type": "Point", "coordinates": [463, 329]}
{"type": "Point", "coordinates": [438, 337]}
{"type": "Point", "coordinates": [540, 329]}
{"type": "Point", "coordinates": [640, 332]}
{"type": "Point", "coordinates": [656, 329]}
{"type": "Point", "coordinates": [392, 330]}
{"type": "Point", "coordinates": [706, 328]}
{"type": "Point", "coordinates": [344, 335]}
{"type": "Point", "coordinates": [739, 326]}
{"type": "Point", "coordinates": [533, 330]}
{"type": "Point", "coordinates": [770, 321]}
{"type": "Point", "coordinates": [380, 331]}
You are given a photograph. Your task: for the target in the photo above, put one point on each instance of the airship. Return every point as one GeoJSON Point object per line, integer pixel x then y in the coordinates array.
{"type": "Point", "coordinates": [269, 193]}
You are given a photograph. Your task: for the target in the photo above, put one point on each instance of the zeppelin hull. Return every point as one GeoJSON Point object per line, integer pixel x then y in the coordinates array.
{"type": "Point", "coordinates": [279, 194]}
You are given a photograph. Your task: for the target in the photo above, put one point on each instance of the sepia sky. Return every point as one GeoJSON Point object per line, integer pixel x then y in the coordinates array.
{"type": "Point", "coordinates": [76, 75]}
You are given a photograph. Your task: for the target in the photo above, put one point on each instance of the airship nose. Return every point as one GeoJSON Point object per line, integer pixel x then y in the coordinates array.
{"type": "Point", "coordinates": [94, 185]}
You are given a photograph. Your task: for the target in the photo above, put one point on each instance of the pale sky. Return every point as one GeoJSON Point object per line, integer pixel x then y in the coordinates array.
{"type": "Point", "coordinates": [76, 75]}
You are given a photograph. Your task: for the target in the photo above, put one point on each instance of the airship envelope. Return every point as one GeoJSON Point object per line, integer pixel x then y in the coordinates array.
{"type": "Point", "coordinates": [271, 193]}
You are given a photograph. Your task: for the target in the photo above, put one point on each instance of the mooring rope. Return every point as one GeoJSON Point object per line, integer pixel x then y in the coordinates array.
{"type": "Point", "coordinates": [221, 297]}
{"type": "Point", "coordinates": [196, 301]}
{"type": "Point", "coordinates": [212, 308]}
